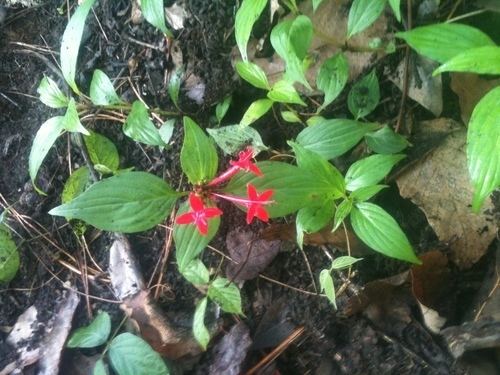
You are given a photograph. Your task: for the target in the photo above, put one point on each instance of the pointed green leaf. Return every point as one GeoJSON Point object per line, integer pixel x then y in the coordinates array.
{"type": "Point", "coordinates": [332, 78]}
{"type": "Point", "coordinates": [174, 86]}
{"type": "Point", "coordinates": [385, 141]}
{"type": "Point", "coordinates": [300, 35]}
{"type": "Point", "coordinates": [326, 285]}
{"type": "Point", "coordinates": [76, 184]}
{"type": "Point", "coordinates": [396, 8]}
{"type": "Point", "coordinates": [189, 242]}
{"type": "Point", "coordinates": [71, 121]}
{"type": "Point", "coordinates": [140, 128]}
{"type": "Point", "coordinates": [102, 91]}
{"type": "Point", "coordinates": [222, 107]}
{"type": "Point", "coordinates": [102, 151]}
{"type": "Point", "coordinates": [199, 159]}
{"type": "Point", "coordinates": [50, 94]}
{"type": "Point", "coordinates": [128, 202]}
{"type": "Point", "coordinates": [45, 138]}
{"type": "Point", "coordinates": [362, 14]}
{"type": "Point", "coordinates": [9, 256]}
{"type": "Point", "coordinates": [70, 43]}
{"type": "Point", "coordinates": [344, 262]}
{"type": "Point", "coordinates": [370, 170]}
{"type": "Point", "coordinates": [284, 92]}
{"type": "Point", "coordinates": [332, 138]}
{"type": "Point", "coordinates": [100, 368]}
{"type": "Point", "coordinates": [253, 74]}
{"type": "Point", "coordinates": [196, 273]}
{"type": "Point", "coordinates": [154, 13]}
{"type": "Point", "coordinates": [483, 150]}
{"type": "Point", "coordinates": [131, 355]}
{"type": "Point", "coordinates": [95, 334]}
{"type": "Point", "coordinates": [234, 138]}
{"type": "Point", "coordinates": [379, 230]}
{"type": "Point", "coordinates": [482, 60]}
{"type": "Point", "coordinates": [316, 4]}
{"type": "Point", "coordinates": [200, 331]}
{"type": "Point", "coordinates": [226, 294]}
{"type": "Point", "coordinates": [246, 16]}
{"type": "Point", "coordinates": [256, 110]}
{"type": "Point", "coordinates": [290, 116]}
{"type": "Point", "coordinates": [367, 192]}
{"type": "Point", "coordinates": [167, 130]}
{"type": "Point", "coordinates": [364, 96]}
{"type": "Point", "coordinates": [343, 210]}
{"type": "Point", "coordinates": [442, 42]}
{"type": "Point", "coordinates": [313, 218]}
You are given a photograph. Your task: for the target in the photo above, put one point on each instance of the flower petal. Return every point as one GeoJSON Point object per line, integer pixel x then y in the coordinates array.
{"type": "Point", "coordinates": [195, 202]}
{"type": "Point", "coordinates": [252, 192]}
{"type": "Point", "coordinates": [186, 218]}
{"type": "Point", "coordinates": [261, 213]}
{"type": "Point", "coordinates": [212, 212]}
{"type": "Point", "coordinates": [202, 225]}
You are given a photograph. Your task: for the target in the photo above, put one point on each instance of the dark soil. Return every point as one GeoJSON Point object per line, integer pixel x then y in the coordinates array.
{"type": "Point", "coordinates": [333, 343]}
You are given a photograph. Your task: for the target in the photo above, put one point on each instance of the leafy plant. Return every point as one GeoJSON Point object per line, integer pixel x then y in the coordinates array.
{"type": "Point", "coordinates": [9, 255]}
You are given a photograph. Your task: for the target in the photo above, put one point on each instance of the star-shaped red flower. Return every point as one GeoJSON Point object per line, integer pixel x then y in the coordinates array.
{"type": "Point", "coordinates": [245, 163]}
{"type": "Point", "coordinates": [256, 202]}
{"type": "Point", "coordinates": [199, 214]}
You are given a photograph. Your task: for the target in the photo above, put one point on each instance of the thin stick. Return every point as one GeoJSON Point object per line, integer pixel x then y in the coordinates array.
{"type": "Point", "coordinates": [467, 15]}
{"type": "Point", "coordinates": [287, 286]}
{"type": "Point", "coordinates": [309, 269]}
{"type": "Point", "coordinates": [405, 73]}
{"type": "Point", "coordinates": [166, 254]}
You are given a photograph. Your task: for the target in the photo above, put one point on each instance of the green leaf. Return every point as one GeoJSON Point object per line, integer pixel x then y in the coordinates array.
{"type": "Point", "coordinates": [332, 78]}
{"type": "Point", "coordinates": [45, 138]}
{"type": "Point", "coordinates": [140, 128]}
{"type": "Point", "coordinates": [442, 42]}
{"type": "Point", "coordinates": [483, 153]}
{"type": "Point", "coordinates": [222, 108]}
{"type": "Point", "coordinates": [321, 168]}
{"type": "Point", "coordinates": [332, 138]}
{"type": "Point", "coordinates": [95, 334]}
{"type": "Point", "coordinates": [482, 60]}
{"type": "Point", "coordinates": [294, 187]}
{"type": "Point", "coordinates": [316, 4]}
{"type": "Point", "coordinates": [189, 242]}
{"type": "Point", "coordinates": [370, 170]}
{"type": "Point", "coordinates": [396, 8]}
{"type": "Point", "coordinates": [234, 138]}
{"type": "Point", "coordinates": [102, 151]}
{"type": "Point", "coordinates": [284, 92]}
{"type": "Point", "coordinates": [246, 16]}
{"type": "Point", "coordinates": [75, 184]}
{"type": "Point", "coordinates": [226, 294]}
{"type": "Point", "coordinates": [100, 368]}
{"type": "Point", "coordinates": [315, 120]}
{"type": "Point", "coordinates": [196, 272]}
{"type": "Point", "coordinates": [343, 210]}
{"type": "Point", "coordinates": [364, 96]}
{"type": "Point", "coordinates": [290, 116]}
{"type": "Point", "coordinates": [385, 141]}
{"type": "Point", "coordinates": [9, 256]}
{"type": "Point", "coordinates": [154, 13]}
{"type": "Point", "coordinates": [256, 110]}
{"type": "Point", "coordinates": [71, 121]}
{"type": "Point", "coordinates": [344, 262]}
{"type": "Point", "coordinates": [70, 43]}
{"type": "Point", "coordinates": [300, 35]}
{"type": "Point", "coordinates": [200, 331]}
{"type": "Point", "coordinates": [199, 159]}
{"type": "Point", "coordinates": [167, 130]}
{"type": "Point", "coordinates": [362, 14]}
{"type": "Point", "coordinates": [253, 74]}
{"type": "Point", "coordinates": [365, 193]}
{"type": "Point", "coordinates": [102, 91]}
{"type": "Point", "coordinates": [326, 285]}
{"type": "Point", "coordinates": [131, 355]}
{"type": "Point", "coordinates": [379, 230]}
{"type": "Point", "coordinates": [312, 219]}
{"type": "Point", "coordinates": [128, 202]}
{"type": "Point", "coordinates": [50, 94]}
{"type": "Point", "coordinates": [174, 86]}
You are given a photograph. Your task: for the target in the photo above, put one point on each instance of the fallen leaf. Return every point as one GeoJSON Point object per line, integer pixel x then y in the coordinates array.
{"type": "Point", "coordinates": [251, 255]}
{"type": "Point", "coordinates": [470, 88]}
{"type": "Point", "coordinates": [231, 351]}
{"type": "Point", "coordinates": [439, 184]}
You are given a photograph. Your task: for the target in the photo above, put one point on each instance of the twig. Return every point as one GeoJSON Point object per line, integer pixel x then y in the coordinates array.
{"type": "Point", "coordinates": [287, 286]}
{"type": "Point", "coordinates": [166, 253]}
{"type": "Point", "coordinates": [309, 269]}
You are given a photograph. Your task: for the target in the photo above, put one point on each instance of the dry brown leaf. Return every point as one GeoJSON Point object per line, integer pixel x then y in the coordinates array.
{"type": "Point", "coordinates": [439, 184]}
{"type": "Point", "coordinates": [470, 88]}
{"type": "Point", "coordinates": [250, 254]}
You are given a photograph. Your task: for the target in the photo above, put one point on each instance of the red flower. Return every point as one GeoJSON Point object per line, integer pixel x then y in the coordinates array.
{"type": "Point", "coordinates": [199, 214]}
{"type": "Point", "coordinates": [245, 163]}
{"type": "Point", "coordinates": [256, 201]}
